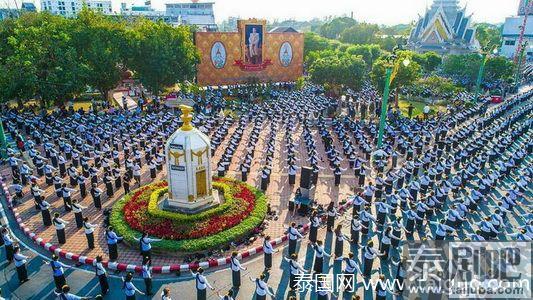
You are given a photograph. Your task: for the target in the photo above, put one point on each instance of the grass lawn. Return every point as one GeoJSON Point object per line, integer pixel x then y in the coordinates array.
{"type": "Point", "coordinates": [418, 108]}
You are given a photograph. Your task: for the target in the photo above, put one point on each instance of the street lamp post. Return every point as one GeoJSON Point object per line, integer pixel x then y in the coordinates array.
{"type": "Point", "coordinates": [390, 73]}
{"type": "Point", "coordinates": [3, 144]}
{"type": "Point", "coordinates": [480, 75]}
{"type": "Point", "coordinates": [384, 104]}
{"type": "Point", "coordinates": [485, 58]}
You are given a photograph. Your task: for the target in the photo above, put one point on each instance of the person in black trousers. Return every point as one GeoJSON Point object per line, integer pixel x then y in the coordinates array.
{"type": "Point", "coordinates": [147, 274]}
{"type": "Point", "coordinates": [319, 257]}
{"type": "Point", "coordinates": [96, 193]}
{"type": "Point", "coordinates": [78, 215]}
{"type": "Point", "coordinates": [20, 264]}
{"type": "Point", "coordinates": [89, 232]}
{"type": "Point", "coordinates": [8, 243]}
{"type": "Point", "coordinates": [101, 273]}
{"type": "Point", "coordinates": [313, 229]}
{"type": "Point", "coordinates": [45, 213]}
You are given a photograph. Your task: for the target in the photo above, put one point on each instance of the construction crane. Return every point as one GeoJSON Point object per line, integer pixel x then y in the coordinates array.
{"type": "Point", "coordinates": [528, 8]}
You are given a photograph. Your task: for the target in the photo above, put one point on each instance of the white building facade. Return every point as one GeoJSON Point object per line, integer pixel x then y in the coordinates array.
{"type": "Point", "coordinates": [196, 13]}
{"type": "Point", "coordinates": [70, 8]}
{"type": "Point", "coordinates": [512, 30]}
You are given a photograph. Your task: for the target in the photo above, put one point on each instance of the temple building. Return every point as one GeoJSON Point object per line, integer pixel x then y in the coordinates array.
{"type": "Point", "coordinates": [445, 28]}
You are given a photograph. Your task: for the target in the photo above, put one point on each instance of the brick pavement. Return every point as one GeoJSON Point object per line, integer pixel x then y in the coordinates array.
{"type": "Point", "coordinates": [279, 193]}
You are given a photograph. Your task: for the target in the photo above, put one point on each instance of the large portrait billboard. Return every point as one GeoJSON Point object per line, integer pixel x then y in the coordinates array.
{"type": "Point", "coordinates": [250, 54]}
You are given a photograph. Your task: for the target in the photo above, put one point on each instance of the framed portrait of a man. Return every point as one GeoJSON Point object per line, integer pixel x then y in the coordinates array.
{"type": "Point", "coordinates": [254, 38]}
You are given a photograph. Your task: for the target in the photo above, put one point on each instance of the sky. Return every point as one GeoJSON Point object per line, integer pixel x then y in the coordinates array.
{"type": "Point", "coordinates": [387, 12]}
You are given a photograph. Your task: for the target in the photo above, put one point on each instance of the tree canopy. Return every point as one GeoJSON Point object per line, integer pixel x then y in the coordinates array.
{"type": "Point", "coordinates": [55, 59]}
{"type": "Point", "coordinates": [406, 74]}
{"type": "Point", "coordinates": [338, 69]}
{"type": "Point", "coordinates": [161, 54]}
{"type": "Point", "coordinates": [335, 27]}
{"type": "Point", "coordinates": [464, 69]}
{"type": "Point", "coordinates": [489, 36]}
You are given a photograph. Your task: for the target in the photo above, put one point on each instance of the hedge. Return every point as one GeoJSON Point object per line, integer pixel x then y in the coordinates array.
{"type": "Point", "coordinates": [180, 218]}
{"type": "Point", "coordinates": [218, 240]}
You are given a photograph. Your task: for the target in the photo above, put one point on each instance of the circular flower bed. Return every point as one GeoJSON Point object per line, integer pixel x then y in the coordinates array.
{"type": "Point", "coordinates": [243, 210]}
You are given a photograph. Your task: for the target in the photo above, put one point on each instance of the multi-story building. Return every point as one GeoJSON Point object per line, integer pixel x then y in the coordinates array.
{"type": "Point", "coordinates": [512, 29]}
{"type": "Point", "coordinates": [196, 13]}
{"type": "Point", "coordinates": [70, 8]}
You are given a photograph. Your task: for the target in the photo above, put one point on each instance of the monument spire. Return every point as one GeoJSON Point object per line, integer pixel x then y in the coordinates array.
{"type": "Point", "coordinates": [186, 117]}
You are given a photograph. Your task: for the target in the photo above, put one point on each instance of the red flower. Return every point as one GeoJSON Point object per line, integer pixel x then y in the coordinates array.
{"type": "Point", "coordinates": [136, 214]}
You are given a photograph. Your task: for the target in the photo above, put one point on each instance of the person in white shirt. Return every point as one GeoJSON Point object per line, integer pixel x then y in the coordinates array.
{"type": "Point", "coordinates": [351, 269]}
{"type": "Point", "coordinates": [88, 228]}
{"type": "Point", "coordinates": [314, 225]}
{"type": "Point", "coordinates": [60, 228]}
{"type": "Point", "coordinates": [201, 284]}
{"type": "Point", "coordinates": [261, 287]}
{"type": "Point", "coordinates": [66, 194]}
{"type": "Point", "coordinates": [145, 245]}
{"type": "Point", "coordinates": [8, 244]}
{"type": "Point", "coordinates": [20, 264]}
{"type": "Point", "coordinates": [128, 287]}
{"type": "Point", "coordinates": [18, 192]}
{"type": "Point", "coordinates": [268, 249]}
{"type": "Point", "coordinates": [319, 257]}
{"type": "Point", "coordinates": [96, 193]}
{"type": "Point", "coordinates": [165, 294]}
{"type": "Point", "coordinates": [65, 294]}
{"type": "Point", "coordinates": [228, 296]}
{"type": "Point", "coordinates": [236, 270]}
{"type": "Point", "coordinates": [295, 269]}
{"type": "Point", "coordinates": [101, 273]}
{"type": "Point", "coordinates": [112, 241]}
{"type": "Point", "coordinates": [146, 270]}
{"type": "Point", "coordinates": [401, 273]}
{"type": "Point", "coordinates": [294, 234]}
{"type": "Point", "coordinates": [442, 230]}
{"type": "Point", "coordinates": [369, 253]}
{"type": "Point", "coordinates": [78, 216]}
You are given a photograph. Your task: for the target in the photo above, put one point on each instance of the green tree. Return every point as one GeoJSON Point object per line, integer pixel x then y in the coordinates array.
{"type": "Point", "coordinates": [315, 55]}
{"type": "Point", "coordinates": [388, 43]}
{"type": "Point", "coordinates": [405, 75]}
{"type": "Point", "coordinates": [489, 36]}
{"type": "Point", "coordinates": [439, 86]}
{"type": "Point", "coordinates": [462, 68]}
{"type": "Point", "coordinates": [99, 42]}
{"type": "Point", "coordinates": [339, 71]}
{"type": "Point", "coordinates": [41, 44]}
{"type": "Point", "coordinates": [161, 55]}
{"type": "Point", "coordinates": [15, 77]}
{"type": "Point", "coordinates": [360, 33]}
{"type": "Point", "coordinates": [314, 42]}
{"type": "Point", "coordinates": [369, 53]}
{"type": "Point", "coordinates": [499, 68]}
{"type": "Point", "coordinates": [432, 61]}
{"type": "Point", "coordinates": [333, 29]}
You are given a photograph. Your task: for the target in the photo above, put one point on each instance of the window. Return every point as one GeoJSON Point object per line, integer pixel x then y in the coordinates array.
{"type": "Point", "coordinates": [510, 43]}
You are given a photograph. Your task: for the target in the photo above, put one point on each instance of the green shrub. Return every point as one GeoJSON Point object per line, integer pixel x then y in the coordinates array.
{"type": "Point", "coordinates": [217, 240]}
{"type": "Point", "coordinates": [180, 218]}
